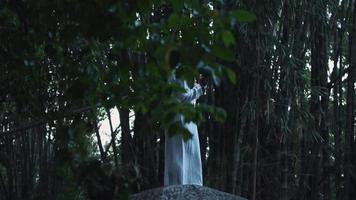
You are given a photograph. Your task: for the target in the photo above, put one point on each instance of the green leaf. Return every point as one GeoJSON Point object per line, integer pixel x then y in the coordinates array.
{"type": "Point", "coordinates": [186, 134]}
{"type": "Point", "coordinates": [193, 4]}
{"type": "Point", "coordinates": [187, 73]}
{"type": "Point", "coordinates": [173, 20]}
{"type": "Point", "coordinates": [9, 18]}
{"type": "Point", "coordinates": [177, 4]}
{"type": "Point", "coordinates": [243, 16]}
{"type": "Point", "coordinates": [228, 38]}
{"type": "Point", "coordinates": [220, 115]}
{"type": "Point", "coordinates": [223, 53]}
{"type": "Point", "coordinates": [188, 35]}
{"type": "Point", "coordinates": [178, 129]}
{"type": "Point", "coordinates": [231, 75]}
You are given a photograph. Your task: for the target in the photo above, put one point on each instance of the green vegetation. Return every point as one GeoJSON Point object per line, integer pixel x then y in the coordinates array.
{"type": "Point", "coordinates": [277, 120]}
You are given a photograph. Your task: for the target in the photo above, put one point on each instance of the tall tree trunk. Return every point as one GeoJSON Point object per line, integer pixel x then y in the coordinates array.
{"type": "Point", "coordinates": [256, 120]}
{"type": "Point", "coordinates": [237, 150]}
{"type": "Point", "coordinates": [126, 139]}
{"type": "Point", "coordinates": [98, 138]}
{"type": "Point", "coordinates": [350, 180]}
{"type": "Point", "coordinates": [319, 103]}
{"type": "Point", "coordinates": [337, 130]}
{"type": "Point", "coordinates": [113, 139]}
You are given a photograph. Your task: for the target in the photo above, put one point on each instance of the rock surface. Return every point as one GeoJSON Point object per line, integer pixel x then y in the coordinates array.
{"type": "Point", "coordinates": [184, 192]}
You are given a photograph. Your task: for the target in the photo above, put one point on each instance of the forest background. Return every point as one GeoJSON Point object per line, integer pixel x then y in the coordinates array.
{"type": "Point", "coordinates": [277, 120]}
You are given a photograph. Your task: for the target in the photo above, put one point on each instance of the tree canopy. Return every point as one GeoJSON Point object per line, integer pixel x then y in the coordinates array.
{"type": "Point", "coordinates": [277, 120]}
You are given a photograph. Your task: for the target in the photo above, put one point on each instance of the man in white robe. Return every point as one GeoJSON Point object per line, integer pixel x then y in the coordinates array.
{"type": "Point", "coordinates": [182, 158]}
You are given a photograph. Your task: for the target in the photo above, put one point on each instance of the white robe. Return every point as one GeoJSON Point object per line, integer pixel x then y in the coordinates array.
{"type": "Point", "coordinates": [182, 158]}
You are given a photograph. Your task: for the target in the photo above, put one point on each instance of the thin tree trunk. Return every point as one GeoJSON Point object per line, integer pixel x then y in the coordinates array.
{"type": "Point", "coordinates": [350, 180]}
{"type": "Point", "coordinates": [113, 140]}
{"type": "Point", "coordinates": [237, 152]}
{"type": "Point", "coordinates": [126, 139]}
{"type": "Point", "coordinates": [337, 132]}
{"type": "Point", "coordinates": [256, 142]}
{"type": "Point", "coordinates": [100, 145]}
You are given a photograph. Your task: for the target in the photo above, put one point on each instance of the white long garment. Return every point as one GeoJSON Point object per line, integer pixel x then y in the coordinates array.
{"type": "Point", "coordinates": [182, 158]}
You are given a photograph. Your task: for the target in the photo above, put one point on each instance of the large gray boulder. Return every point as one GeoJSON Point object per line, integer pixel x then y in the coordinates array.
{"type": "Point", "coordinates": [184, 192]}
